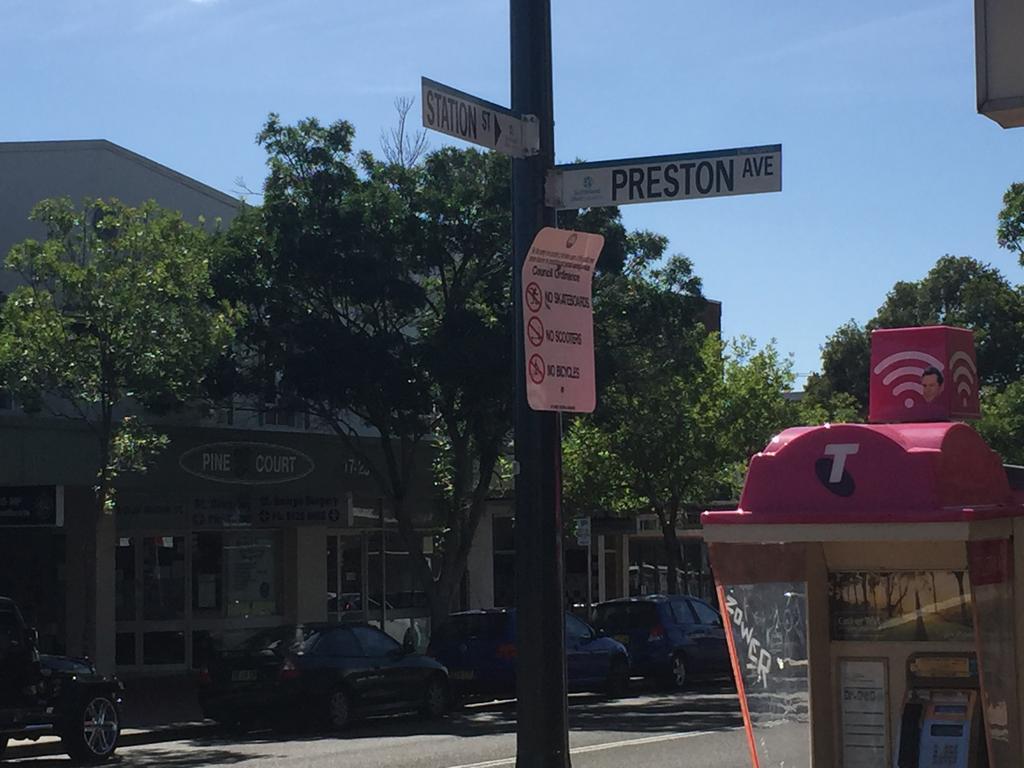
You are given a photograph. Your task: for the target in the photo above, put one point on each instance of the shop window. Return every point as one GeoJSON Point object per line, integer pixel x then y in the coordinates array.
{"type": "Point", "coordinates": [163, 648]}
{"type": "Point", "coordinates": [124, 649]}
{"type": "Point", "coordinates": [124, 580]}
{"type": "Point", "coordinates": [404, 590]}
{"type": "Point", "coordinates": [900, 606]}
{"type": "Point", "coordinates": [252, 573]}
{"type": "Point", "coordinates": [344, 576]}
{"type": "Point", "coordinates": [236, 574]}
{"type": "Point", "coordinates": [504, 534]}
{"type": "Point", "coordinates": [163, 577]}
{"type": "Point", "coordinates": [202, 646]}
{"type": "Point", "coordinates": [207, 574]}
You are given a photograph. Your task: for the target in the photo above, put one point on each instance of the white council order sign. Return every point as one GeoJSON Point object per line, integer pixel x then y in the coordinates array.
{"type": "Point", "coordinates": [558, 323]}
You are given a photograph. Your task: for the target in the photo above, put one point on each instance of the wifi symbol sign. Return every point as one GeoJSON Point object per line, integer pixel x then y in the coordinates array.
{"type": "Point", "coordinates": [903, 371]}
{"type": "Point", "coordinates": [965, 375]}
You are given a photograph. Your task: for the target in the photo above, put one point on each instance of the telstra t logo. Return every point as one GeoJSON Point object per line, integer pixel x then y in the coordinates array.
{"type": "Point", "coordinates": [831, 469]}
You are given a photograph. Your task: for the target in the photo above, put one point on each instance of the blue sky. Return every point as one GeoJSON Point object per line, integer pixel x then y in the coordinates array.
{"type": "Point", "coordinates": [886, 165]}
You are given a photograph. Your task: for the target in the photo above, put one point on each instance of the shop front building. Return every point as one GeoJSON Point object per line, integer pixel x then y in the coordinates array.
{"type": "Point", "coordinates": [230, 532]}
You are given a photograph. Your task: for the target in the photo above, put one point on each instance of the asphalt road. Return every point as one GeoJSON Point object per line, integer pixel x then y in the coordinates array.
{"type": "Point", "coordinates": [699, 728]}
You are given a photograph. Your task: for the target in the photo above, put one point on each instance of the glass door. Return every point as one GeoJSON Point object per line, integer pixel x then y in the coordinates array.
{"type": "Point", "coordinates": [150, 610]}
{"type": "Point", "coordinates": [346, 576]}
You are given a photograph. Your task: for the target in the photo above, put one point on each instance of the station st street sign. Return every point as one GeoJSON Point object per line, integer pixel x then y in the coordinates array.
{"type": "Point", "coordinates": [472, 119]}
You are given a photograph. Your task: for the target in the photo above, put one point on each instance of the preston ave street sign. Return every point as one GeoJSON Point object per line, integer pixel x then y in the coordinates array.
{"type": "Point", "coordinates": [743, 171]}
{"type": "Point", "coordinates": [471, 119]}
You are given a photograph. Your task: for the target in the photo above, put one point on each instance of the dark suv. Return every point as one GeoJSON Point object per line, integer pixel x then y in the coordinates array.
{"type": "Point", "coordinates": [479, 650]}
{"type": "Point", "coordinates": [42, 695]}
{"type": "Point", "coordinates": [669, 637]}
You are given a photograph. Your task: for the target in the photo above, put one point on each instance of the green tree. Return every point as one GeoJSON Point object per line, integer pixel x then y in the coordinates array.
{"type": "Point", "coordinates": [958, 291]}
{"type": "Point", "coordinates": [378, 296]}
{"type": "Point", "coordinates": [845, 358]}
{"type": "Point", "coordinates": [964, 292]}
{"type": "Point", "coordinates": [678, 412]}
{"type": "Point", "coordinates": [115, 312]}
{"type": "Point", "coordinates": [1010, 230]}
{"type": "Point", "coordinates": [1002, 421]}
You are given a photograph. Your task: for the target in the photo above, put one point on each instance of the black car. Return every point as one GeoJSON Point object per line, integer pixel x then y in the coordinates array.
{"type": "Point", "coordinates": [46, 695]}
{"type": "Point", "coordinates": [670, 637]}
{"type": "Point", "coordinates": [319, 673]}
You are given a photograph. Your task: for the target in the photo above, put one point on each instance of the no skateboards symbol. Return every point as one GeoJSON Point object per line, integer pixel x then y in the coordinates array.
{"type": "Point", "coordinates": [535, 331]}
{"type": "Point", "coordinates": [534, 297]}
{"type": "Point", "coordinates": [536, 369]}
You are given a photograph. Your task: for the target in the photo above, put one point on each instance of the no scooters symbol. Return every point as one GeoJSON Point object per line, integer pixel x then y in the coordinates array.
{"type": "Point", "coordinates": [536, 367]}
{"type": "Point", "coordinates": [534, 297]}
{"type": "Point", "coordinates": [535, 331]}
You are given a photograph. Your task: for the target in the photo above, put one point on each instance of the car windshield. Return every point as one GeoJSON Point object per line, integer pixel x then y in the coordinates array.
{"type": "Point", "coordinates": [618, 617]}
{"type": "Point", "coordinates": [281, 640]}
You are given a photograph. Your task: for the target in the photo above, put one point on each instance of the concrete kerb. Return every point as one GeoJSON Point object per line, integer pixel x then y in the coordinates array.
{"type": "Point", "coordinates": [130, 737]}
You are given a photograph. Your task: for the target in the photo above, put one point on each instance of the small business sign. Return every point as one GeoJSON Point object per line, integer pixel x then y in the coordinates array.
{"type": "Point", "coordinates": [558, 321]}
{"type": "Point", "coordinates": [743, 171]}
{"type": "Point", "coordinates": [472, 119]}
{"type": "Point", "coordinates": [246, 463]}
{"type": "Point", "coordinates": [31, 506]}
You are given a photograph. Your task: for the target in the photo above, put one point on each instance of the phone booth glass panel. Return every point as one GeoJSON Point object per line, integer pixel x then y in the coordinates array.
{"type": "Point", "coordinates": [769, 634]}
{"type": "Point", "coordinates": [991, 567]}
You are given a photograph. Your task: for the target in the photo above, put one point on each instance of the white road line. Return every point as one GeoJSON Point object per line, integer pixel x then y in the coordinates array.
{"type": "Point", "coordinates": [599, 747]}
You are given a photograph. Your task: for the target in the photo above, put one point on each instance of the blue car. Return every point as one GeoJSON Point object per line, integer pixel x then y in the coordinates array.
{"type": "Point", "coordinates": [479, 650]}
{"type": "Point", "coordinates": [671, 638]}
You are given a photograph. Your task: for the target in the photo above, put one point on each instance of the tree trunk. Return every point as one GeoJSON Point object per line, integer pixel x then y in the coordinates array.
{"type": "Point", "coordinates": [667, 517]}
{"type": "Point", "coordinates": [97, 639]}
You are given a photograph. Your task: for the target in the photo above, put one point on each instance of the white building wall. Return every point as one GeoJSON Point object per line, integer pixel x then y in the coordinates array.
{"type": "Point", "coordinates": [480, 566]}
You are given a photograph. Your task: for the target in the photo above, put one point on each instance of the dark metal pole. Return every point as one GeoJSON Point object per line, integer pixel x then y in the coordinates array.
{"type": "Point", "coordinates": [383, 567]}
{"type": "Point", "coordinates": [542, 739]}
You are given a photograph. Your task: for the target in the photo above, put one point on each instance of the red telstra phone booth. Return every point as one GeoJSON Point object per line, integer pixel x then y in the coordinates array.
{"type": "Point", "coordinates": [869, 581]}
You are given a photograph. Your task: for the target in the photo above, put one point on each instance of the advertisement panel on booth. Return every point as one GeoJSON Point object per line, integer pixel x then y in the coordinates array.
{"type": "Point", "coordinates": [894, 606]}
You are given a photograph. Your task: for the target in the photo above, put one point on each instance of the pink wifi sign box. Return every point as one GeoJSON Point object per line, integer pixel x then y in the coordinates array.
{"type": "Point", "coordinates": [928, 373]}
{"type": "Point", "coordinates": [558, 321]}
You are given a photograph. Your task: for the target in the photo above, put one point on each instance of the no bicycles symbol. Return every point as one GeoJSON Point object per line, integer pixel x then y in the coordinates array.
{"type": "Point", "coordinates": [534, 297]}
{"type": "Point", "coordinates": [536, 367]}
{"type": "Point", "coordinates": [535, 331]}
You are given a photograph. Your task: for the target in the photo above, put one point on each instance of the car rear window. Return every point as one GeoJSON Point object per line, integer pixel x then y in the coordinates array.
{"type": "Point", "coordinates": [280, 640]}
{"type": "Point", "coordinates": [8, 619]}
{"type": "Point", "coordinates": [706, 613]}
{"type": "Point", "coordinates": [471, 625]}
{"type": "Point", "coordinates": [616, 617]}
{"type": "Point", "coordinates": [681, 612]}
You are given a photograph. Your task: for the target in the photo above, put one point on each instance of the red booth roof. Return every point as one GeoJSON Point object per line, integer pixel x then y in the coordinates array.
{"type": "Point", "coordinates": [874, 473]}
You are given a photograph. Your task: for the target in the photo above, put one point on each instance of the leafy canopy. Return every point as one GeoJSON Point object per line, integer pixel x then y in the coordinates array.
{"type": "Point", "coordinates": [116, 307]}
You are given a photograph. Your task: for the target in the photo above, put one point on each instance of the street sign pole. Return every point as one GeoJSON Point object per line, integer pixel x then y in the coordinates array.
{"type": "Point", "coordinates": [542, 739]}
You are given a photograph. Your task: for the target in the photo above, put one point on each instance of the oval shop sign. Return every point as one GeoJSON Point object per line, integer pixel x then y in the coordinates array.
{"type": "Point", "coordinates": [246, 463]}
